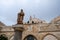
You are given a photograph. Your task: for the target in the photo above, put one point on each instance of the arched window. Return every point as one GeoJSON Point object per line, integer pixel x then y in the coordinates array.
{"type": "Point", "coordinates": [28, 22]}
{"type": "Point", "coordinates": [50, 37]}
{"type": "Point", "coordinates": [30, 37]}
{"type": "Point", "coordinates": [3, 37]}
{"type": "Point", "coordinates": [32, 21]}
{"type": "Point", "coordinates": [12, 38]}
{"type": "Point", "coordinates": [58, 22]}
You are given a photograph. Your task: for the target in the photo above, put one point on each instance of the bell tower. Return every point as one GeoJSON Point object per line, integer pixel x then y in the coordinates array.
{"type": "Point", "coordinates": [20, 17]}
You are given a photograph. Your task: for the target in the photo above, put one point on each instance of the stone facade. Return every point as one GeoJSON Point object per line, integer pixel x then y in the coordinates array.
{"type": "Point", "coordinates": [34, 29]}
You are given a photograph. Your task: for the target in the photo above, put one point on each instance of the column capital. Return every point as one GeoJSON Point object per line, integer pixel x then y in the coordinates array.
{"type": "Point", "coordinates": [18, 28]}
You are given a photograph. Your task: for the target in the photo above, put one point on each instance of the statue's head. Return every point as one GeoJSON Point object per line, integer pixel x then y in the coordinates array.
{"type": "Point", "coordinates": [21, 10]}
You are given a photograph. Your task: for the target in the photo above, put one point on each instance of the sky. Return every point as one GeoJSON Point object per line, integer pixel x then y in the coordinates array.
{"type": "Point", "coordinates": [42, 9]}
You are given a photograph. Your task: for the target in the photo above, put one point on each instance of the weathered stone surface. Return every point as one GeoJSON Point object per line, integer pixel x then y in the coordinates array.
{"type": "Point", "coordinates": [41, 30]}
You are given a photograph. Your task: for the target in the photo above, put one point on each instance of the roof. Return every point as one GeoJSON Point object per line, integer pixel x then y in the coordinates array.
{"type": "Point", "coordinates": [2, 24]}
{"type": "Point", "coordinates": [56, 19]}
{"type": "Point", "coordinates": [36, 20]}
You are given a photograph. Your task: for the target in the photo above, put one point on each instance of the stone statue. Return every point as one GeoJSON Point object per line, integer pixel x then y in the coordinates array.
{"type": "Point", "coordinates": [20, 17]}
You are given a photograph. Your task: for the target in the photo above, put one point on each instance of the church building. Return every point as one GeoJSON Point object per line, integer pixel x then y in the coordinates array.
{"type": "Point", "coordinates": [34, 29]}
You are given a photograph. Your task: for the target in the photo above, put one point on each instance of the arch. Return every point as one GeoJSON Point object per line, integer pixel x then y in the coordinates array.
{"type": "Point", "coordinates": [12, 37]}
{"type": "Point", "coordinates": [32, 21]}
{"type": "Point", "coordinates": [30, 36]}
{"type": "Point", "coordinates": [27, 21]}
{"type": "Point", "coordinates": [56, 19]}
{"type": "Point", "coordinates": [50, 35]}
{"type": "Point", "coordinates": [57, 22]}
{"type": "Point", "coordinates": [3, 37]}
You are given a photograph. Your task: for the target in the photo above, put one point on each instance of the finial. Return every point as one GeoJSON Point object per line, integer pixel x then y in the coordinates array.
{"type": "Point", "coordinates": [34, 16]}
{"type": "Point", "coordinates": [30, 17]}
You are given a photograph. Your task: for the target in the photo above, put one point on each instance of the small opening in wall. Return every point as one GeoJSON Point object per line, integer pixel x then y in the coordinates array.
{"type": "Point", "coordinates": [32, 21]}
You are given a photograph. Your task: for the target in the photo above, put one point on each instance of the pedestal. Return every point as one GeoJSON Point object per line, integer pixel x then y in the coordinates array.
{"type": "Point", "coordinates": [18, 33]}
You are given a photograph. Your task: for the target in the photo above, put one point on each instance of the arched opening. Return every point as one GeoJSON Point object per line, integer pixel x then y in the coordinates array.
{"type": "Point", "coordinates": [50, 37]}
{"type": "Point", "coordinates": [30, 37]}
{"type": "Point", "coordinates": [3, 37]}
{"type": "Point", "coordinates": [27, 21]}
{"type": "Point", "coordinates": [57, 22]}
{"type": "Point", "coordinates": [33, 22]}
{"type": "Point", "coordinates": [12, 38]}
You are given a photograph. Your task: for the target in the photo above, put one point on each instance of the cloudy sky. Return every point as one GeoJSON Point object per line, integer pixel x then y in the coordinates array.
{"type": "Point", "coordinates": [42, 9]}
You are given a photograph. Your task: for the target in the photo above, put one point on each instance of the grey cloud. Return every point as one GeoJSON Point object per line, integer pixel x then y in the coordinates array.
{"type": "Point", "coordinates": [42, 9]}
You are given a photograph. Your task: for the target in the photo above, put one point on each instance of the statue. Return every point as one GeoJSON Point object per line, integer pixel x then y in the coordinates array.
{"type": "Point", "coordinates": [20, 17]}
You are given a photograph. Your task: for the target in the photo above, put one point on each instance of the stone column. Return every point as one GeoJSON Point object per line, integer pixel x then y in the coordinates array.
{"type": "Point", "coordinates": [18, 33]}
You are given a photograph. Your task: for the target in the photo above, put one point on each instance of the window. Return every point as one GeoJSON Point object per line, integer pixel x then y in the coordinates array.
{"type": "Point", "coordinates": [32, 21]}
{"type": "Point", "coordinates": [28, 22]}
{"type": "Point", "coordinates": [30, 37]}
{"type": "Point", "coordinates": [3, 37]}
{"type": "Point", "coordinates": [50, 37]}
{"type": "Point", "coordinates": [57, 23]}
